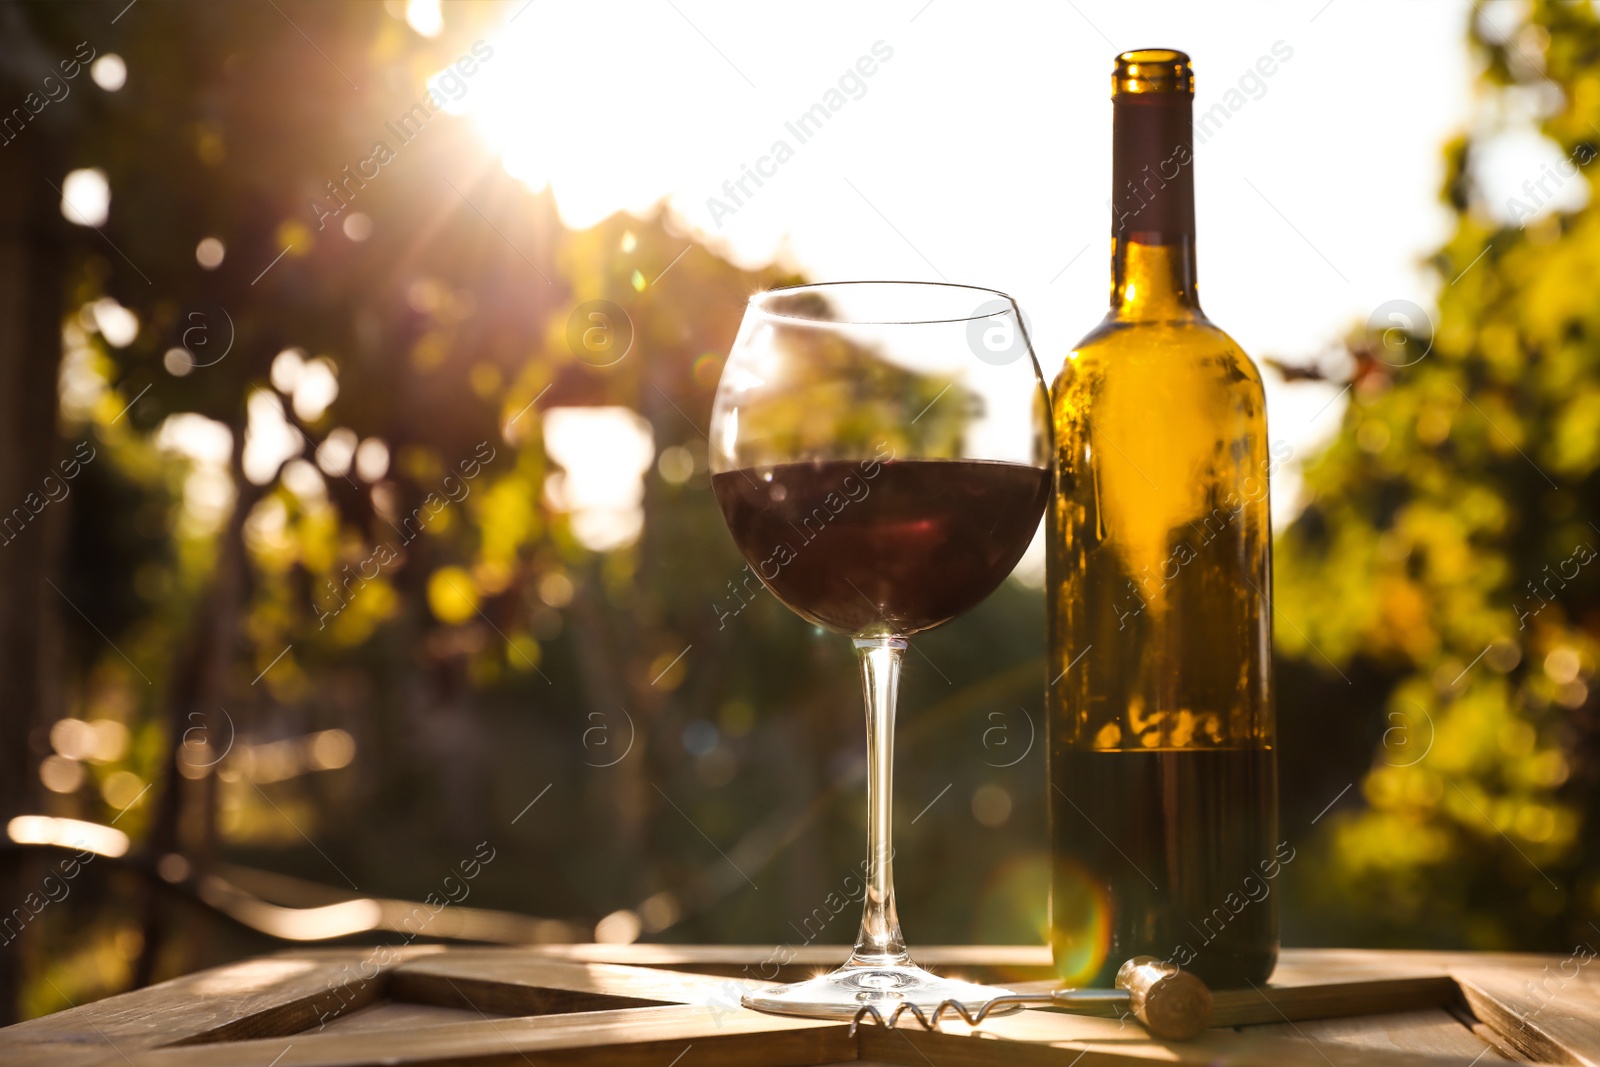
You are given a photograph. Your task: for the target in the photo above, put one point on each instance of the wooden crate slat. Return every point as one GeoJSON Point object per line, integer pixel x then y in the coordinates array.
{"type": "Point", "coordinates": [521, 983]}
{"type": "Point", "coordinates": [396, 1015]}
{"type": "Point", "coordinates": [646, 1004]}
{"type": "Point", "coordinates": [787, 963]}
{"type": "Point", "coordinates": [1050, 1039]}
{"type": "Point", "coordinates": [1290, 1003]}
{"type": "Point", "coordinates": [1558, 1021]}
{"type": "Point", "coordinates": [282, 993]}
{"type": "Point", "coordinates": [638, 1035]}
{"type": "Point", "coordinates": [1432, 1031]}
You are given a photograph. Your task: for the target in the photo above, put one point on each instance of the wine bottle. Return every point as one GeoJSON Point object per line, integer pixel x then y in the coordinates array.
{"type": "Point", "coordinates": [1163, 781]}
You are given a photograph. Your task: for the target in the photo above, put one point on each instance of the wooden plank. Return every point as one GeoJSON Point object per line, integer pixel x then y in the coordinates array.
{"type": "Point", "coordinates": [1293, 963]}
{"type": "Point", "coordinates": [279, 994]}
{"type": "Point", "coordinates": [1020, 965]}
{"type": "Point", "coordinates": [648, 1037]}
{"type": "Point", "coordinates": [514, 1005]}
{"type": "Point", "coordinates": [1329, 1000]}
{"type": "Point", "coordinates": [1050, 1039]}
{"type": "Point", "coordinates": [1296, 966]}
{"type": "Point", "coordinates": [1433, 1031]}
{"type": "Point", "coordinates": [516, 982]}
{"type": "Point", "coordinates": [1544, 1007]}
{"type": "Point", "coordinates": [1545, 1017]}
{"type": "Point", "coordinates": [1304, 998]}
{"type": "Point", "coordinates": [788, 963]}
{"type": "Point", "coordinates": [398, 1015]}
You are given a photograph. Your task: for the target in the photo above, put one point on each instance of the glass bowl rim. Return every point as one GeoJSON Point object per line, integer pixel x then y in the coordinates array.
{"type": "Point", "coordinates": [757, 302]}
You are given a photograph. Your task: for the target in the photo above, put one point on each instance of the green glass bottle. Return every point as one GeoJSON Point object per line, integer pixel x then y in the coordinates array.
{"type": "Point", "coordinates": [1163, 782]}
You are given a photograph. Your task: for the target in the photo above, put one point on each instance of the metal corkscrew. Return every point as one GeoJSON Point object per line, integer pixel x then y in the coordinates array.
{"type": "Point", "coordinates": [1171, 1003]}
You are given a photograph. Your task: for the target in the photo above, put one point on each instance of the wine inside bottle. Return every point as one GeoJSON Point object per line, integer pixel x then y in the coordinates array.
{"type": "Point", "coordinates": [1163, 782]}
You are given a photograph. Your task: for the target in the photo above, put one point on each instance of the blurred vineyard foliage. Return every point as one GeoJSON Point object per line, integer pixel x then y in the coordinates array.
{"type": "Point", "coordinates": [323, 604]}
{"type": "Point", "coordinates": [1446, 565]}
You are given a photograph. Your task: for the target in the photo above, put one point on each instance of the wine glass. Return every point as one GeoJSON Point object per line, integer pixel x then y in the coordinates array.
{"type": "Point", "coordinates": [881, 453]}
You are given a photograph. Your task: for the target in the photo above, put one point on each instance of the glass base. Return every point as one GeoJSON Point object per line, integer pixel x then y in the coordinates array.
{"type": "Point", "coordinates": [841, 994]}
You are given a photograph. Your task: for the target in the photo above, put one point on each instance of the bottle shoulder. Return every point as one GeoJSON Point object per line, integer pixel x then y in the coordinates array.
{"type": "Point", "coordinates": [1182, 347]}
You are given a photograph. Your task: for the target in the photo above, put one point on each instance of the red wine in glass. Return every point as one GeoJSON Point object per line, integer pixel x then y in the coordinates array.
{"type": "Point", "coordinates": [896, 547]}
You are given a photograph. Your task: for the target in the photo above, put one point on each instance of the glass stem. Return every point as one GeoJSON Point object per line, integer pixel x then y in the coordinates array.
{"type": "Point", "coordinates": [880, 943]}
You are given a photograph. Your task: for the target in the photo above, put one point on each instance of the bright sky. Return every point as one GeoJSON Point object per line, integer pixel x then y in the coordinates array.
{"type": "Point", "coordinates": [978, 148]}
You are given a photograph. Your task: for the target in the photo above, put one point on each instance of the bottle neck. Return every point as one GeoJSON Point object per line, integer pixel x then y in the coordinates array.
{"type": "Point", "coordinates": [1152, 206]}
{"type": "Point", "coordinates": [1153, 281]}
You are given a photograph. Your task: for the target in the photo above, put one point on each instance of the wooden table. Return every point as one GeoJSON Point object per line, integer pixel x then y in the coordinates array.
{"type": "Point", "coordinates": [677, 1006]}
